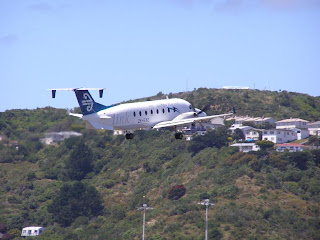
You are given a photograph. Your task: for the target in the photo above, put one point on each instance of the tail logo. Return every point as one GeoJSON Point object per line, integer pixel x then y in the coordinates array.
{"type": "Point", "coordinates": [87, 101]}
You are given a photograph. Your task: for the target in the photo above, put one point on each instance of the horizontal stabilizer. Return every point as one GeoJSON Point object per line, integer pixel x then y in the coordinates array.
{"type": "Point", "coordinates": [76, 115]}
{"type": "Point", "coordinates": [54, 90]}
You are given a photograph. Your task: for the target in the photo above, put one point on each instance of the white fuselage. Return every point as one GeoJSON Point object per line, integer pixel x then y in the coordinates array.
{"type": "Point", "coordinates": [139, 115]}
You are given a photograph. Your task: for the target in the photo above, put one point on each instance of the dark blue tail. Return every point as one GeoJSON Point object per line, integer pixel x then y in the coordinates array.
{"type": "Point", "coordinates": [87, 103]}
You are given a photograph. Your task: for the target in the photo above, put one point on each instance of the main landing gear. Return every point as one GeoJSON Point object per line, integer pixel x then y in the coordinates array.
{"type": "Point", "coordinates": [129, 135]}
{"type": "Point", "coordinates": [178, 135]}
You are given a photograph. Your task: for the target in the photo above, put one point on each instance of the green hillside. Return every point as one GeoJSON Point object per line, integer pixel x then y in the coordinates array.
{"type": "Point", "coordinates": [90, 187]}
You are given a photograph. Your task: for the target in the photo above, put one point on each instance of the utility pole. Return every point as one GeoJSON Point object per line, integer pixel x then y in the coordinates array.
{"type": "Point", "coordinates": [144, 208]}
{"type": "Point", "coordinates": [206, 203]}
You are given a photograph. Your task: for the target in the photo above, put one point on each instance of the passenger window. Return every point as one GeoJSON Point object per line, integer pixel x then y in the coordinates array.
{"type": "Point", "coordinates": [163, 110]}
{"type": "Point", "coordinates": [134, 114]}
{"type": "Point", "coordinates": [157, 111]}
{"type": "Point", "coordinates": [146, 112]}
{"type": "Point", "coordinates": [140, 113]}
{"type": "Point", "coordinates": [168, 110]}
{"type": "Point", "coordinates": [151, 112]}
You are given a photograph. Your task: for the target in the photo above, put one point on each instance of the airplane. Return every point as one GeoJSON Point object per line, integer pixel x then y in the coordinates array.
{"type": "Point", "coordinates": [166, 113]}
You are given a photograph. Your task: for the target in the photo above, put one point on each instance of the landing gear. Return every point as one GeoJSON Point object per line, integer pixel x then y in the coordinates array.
{"type": "Point", "coordinates": [129, 135]}
{"type": "Point", "coordinates": [178, 135]}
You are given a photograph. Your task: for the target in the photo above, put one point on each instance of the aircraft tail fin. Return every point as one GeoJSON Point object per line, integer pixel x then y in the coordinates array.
{"type": "Point", "coordinates": [86, 102]}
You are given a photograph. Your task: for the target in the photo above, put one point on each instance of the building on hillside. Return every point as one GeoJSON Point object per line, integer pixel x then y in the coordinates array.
{"type": "Point", "coordinates": [314, 128]}
{"type": "Point", "coordinates": [241, 127]}
{"type": "Point", "coordinates": [32, 231]}
{"type": "Point", "coordinates": [235, 88]}
{"type": "Point", "coordinates": [217, 122]}
{"type": "Point", "coordinates": [258, 121]}
{"type": "Point", "coordinates": [292, 123]}
{"type": "Point", "coordinates": [198, 129]}
{"type": "Point", "coordinates": [279, 135]}
{"type": "Point", "coordinates": [53, 137]}
{"type": "Point", "coordinates": [301, 133]}
{"type": "Point", "coordinates": [291, 147]}
{"type": "Point", "coordinates": [246, 147]}
{"type": "Point", "coordinates": [252, 134]}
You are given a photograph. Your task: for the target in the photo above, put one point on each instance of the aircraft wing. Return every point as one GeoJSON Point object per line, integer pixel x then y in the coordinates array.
{"type": "Point", "coordinates": [187, 121]}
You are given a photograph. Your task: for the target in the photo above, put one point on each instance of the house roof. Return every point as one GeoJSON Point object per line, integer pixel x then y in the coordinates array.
{"type": "Point", "coordinates": [290, 145]}
{"type": "Point", "coordinates": [292, 120]}
{"type": "Point", "coordinates": [310, 124]}
{"type": "Point", "coordinates": [243, 145]}
{"type": "Point", "coordinates": [32, 228]}
{"type": "Point", "coordinates": [274, 129]}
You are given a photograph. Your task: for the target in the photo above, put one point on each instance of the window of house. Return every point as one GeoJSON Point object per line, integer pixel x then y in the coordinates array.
{"type": "Point", "coordinates": [265, 132]}
{"type": "Point", "coordinates": [271, 132]}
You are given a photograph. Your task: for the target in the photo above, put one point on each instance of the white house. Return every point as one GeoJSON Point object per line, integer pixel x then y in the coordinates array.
{"type": "Point", "coordinates": [314, 128]}
{"type": "Point", "coordinates": [252, 134]}
{"type": "Point", "coordinates": [291, 147]}
{"type": "Point", "coordinates": [53, 137]}
{"type": "Point", "coordinates": [292, 123]}
{"type": "Point", "coordinates": [32, 231]}
{"type": "Point", "coordinates": [301, 133]}
{"type": "Point", "coordinates": [198, 129]}
{"type": "Point", "coordinates": [246, 147]}
{"type": "Point", "coordinates": [239, 126]}
{"type": "Point", "coordinates": [279, 135]}
{"type": "Point", "coordinates": [256, 120]}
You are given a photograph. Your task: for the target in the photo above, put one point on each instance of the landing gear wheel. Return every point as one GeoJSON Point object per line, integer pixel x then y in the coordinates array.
{"type": "Point", "coordinates": [129, 136]}
{"type": "Point", "coordinates": [178, 135]}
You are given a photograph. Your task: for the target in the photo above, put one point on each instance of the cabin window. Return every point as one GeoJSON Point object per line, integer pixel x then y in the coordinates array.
{"type": "Point", "coordinates": [157, 111]}
{"type": "Point", "coordinates": [134, 114]}
{"type": "Point", "coordinates": [151, 112]}
{"type": "Point", "coordinates": [162, 110]}
{"type": "Point", "coordinates": [168, 110]}
{"type": "Point", "coordinates": [146, 112]}
{"type": "Point", "coordinates": [140, 113]}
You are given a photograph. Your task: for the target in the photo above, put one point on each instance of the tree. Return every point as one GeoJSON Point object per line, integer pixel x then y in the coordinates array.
{"type": "Point", "coordinates": [216, 138]}
{"type": "Point", "coordinates": [238, 134]}
{"type": "Point", "coordinates": [80, 162]}
{"type": "Point", "coordinates": [265, 144]}
{"type": "Point", "coordinates": [74, 200]}
{"type": "Point", "coordinates": [177, 192]}
{"type": "Point", "coordinates": [314, 141]}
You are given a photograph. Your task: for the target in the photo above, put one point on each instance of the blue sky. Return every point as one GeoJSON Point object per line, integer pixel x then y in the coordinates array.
{"type": "Point", "coordinates": [138, 48]}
